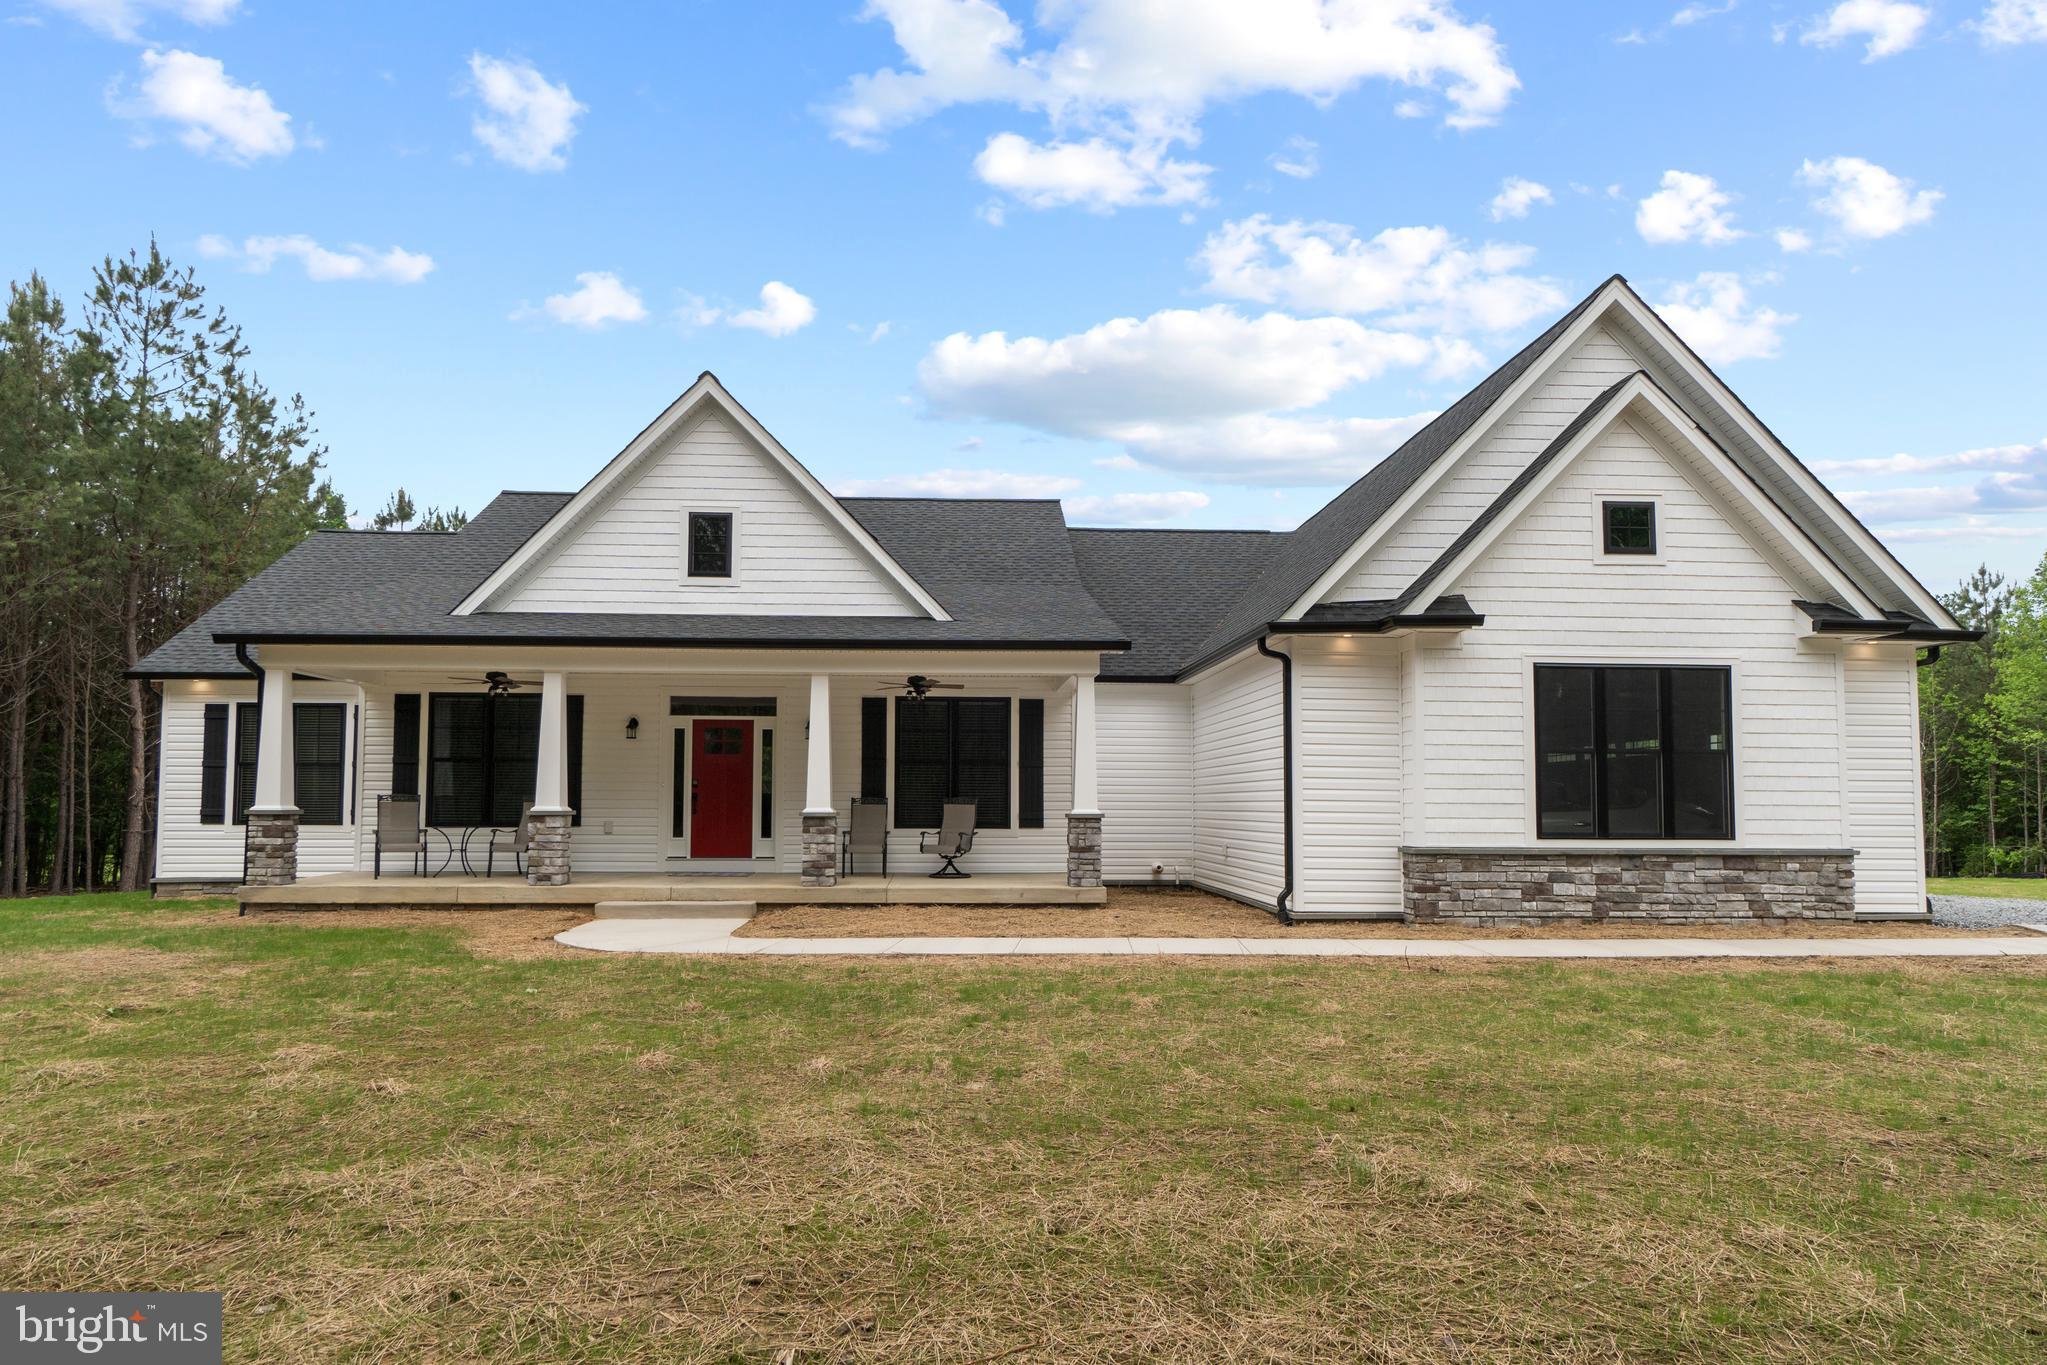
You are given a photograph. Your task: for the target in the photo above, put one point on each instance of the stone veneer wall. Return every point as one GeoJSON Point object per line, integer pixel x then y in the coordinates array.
{"type": "Point", "coordinates": [820, 850]}
{"type": "Point", "coordinates": [270, 848]}
{"type": "Point", "coordinates": [1083, 850]}
{"type": "Point", "coordinates": [547, 848]}
{"type": "Point", "coordinates": [1512, 886]}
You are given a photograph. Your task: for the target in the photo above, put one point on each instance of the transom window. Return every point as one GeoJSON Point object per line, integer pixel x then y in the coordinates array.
{"type": "Point", "coordinates": [1628, 528]}
{"type": "Point", "coordinates": [710, 545]}
{"type": "Point", "coordinates": [1633, 753]}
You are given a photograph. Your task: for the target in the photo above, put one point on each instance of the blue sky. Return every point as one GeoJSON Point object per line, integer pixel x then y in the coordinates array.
{"type": "Point", "coordinates": [1192, 270]}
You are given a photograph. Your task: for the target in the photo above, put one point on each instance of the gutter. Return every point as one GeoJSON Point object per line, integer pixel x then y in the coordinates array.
{"type": "Point", "coordinates": [242, 653]}
{"type": "Point", "coordinates": [1284, 905]}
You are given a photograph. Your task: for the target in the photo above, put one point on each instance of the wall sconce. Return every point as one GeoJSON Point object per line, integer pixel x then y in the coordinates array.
{"type": "Point", "coordinates": [632, 727]}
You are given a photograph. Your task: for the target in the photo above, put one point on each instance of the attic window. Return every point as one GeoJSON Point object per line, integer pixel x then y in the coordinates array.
{"type": "Point", "coordinates": [710, 545]}
{"type": "Point", "coordinates": [1628, 528]}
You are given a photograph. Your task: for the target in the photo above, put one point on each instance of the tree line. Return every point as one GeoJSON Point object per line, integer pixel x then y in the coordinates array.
{"type": "Point", "coordinates": [145, 472]}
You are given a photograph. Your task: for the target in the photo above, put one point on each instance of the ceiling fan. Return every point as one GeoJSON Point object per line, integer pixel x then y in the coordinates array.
{"type": "Point", "coordinates": [497, 683]}
{"type": "Point", "coordinates": [917, 686]}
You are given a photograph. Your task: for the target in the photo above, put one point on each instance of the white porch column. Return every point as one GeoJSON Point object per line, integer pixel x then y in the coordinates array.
{"type": "Point", "coordinates": [1084, 821]}
{"type": "Point", "coordinates": [547, 847]}
{"type": "Point", "coordinates": [820, 821]}
{"type": "Point", "coordinates": [270, 841]}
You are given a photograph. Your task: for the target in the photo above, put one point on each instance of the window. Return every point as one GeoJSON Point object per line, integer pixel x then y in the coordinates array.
{"type": "Point", "coordinates": [1633, 753]}
{"type": "Point", "coordinates": [213, 764]}
{"type": "Point", "coordinates": [721, 706]}
{"type": "Point", "coordinates": [767, 783]}
{"type": "Point", "coordinates": [405, 744]}
{"type": "Point", "coordinates": [1629, 528]}
{"type": "Point", "coordinates": [248, 722]}
{"type": "Point", "coordinates": [710, 545]}
{"type": "Point", "coordinates": [952, 747]}
{"type": "Point", "coordinates": [318, 757]}
{"type": "Point", "coordinates": [482, 753]}
{"type": "Point", "coordinates": [874, 748]}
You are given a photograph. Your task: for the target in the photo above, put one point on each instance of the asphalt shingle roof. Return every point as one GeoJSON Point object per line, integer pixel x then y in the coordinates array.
{"type": "Point", "coordinates": [1166, 588]}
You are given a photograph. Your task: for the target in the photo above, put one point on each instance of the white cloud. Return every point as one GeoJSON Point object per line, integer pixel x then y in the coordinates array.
{"type": "Point", "coordinates": [599, 300]}
{"type": "Point", "coordinates": [1197, 391]}
{"type": "Point", "coordinates": [1689, 208]}
{"type": "Point", "coordinates": [124, 19]}
{"type": "Point", "coordinates": [1516, 197]}
{"type": "Point", "coordinates": [1421, 276]}
{"type": "Point", "coordinates": [1865, 199]}
{"type": "Point", "coordinates": [1134, 509]}
{"type": "Point", "coordinates": [1300, 158]}
{"type": "Point", "coordinates": [215, 117]}
{"type": "Point", "coordinates": [1095, 174]}
{"type": "Point", "coordinates": [394, 265]}
{"type": "Point", "coordinates": [2008, 22]}
{"type": "Point", "coordinates": [876, 332]}
{"type": "Point", "coordinates": [1891, 26]}
{"type": "Point", "coordinates": [960, 483]}
{"type": "Point", "coordinates": [1972, 528]}
{"type": "Point", "coordinates": [782, 311]}
{"type": "Point", "coordinates": [1138, 75]}
{"type": "Point", "coordinates": [2023, 457]}
{"type": "Point", "coordinates": [1411, 109]}
{"type": "Point", "coordinates": [1694, 13]}
{"type": "Point", "coordinates": [1714, 316]}
{"type": "Point", "coordinates": [526, 120]}
{"type": "Point", "coordinates": [1793, 240]}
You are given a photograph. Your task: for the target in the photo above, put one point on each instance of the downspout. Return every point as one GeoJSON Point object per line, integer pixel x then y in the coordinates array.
{"type": "Point", "coordinates": [242, 653]}
{"type": "Point", "coordinates": [1284, 905]}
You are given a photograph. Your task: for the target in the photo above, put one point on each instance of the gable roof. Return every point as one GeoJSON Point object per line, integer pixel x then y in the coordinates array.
{"type": "Point", "coordinates": [708, 391]}
{"type": "Point", "coordinates": [1320, 540]}
{"type": "Point", "coordinates": [1166, 588]}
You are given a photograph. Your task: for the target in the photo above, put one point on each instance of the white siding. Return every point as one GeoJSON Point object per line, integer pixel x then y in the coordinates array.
{"type": "Point", "coordinates": [627, 555]}
{"type": "Point", "coordinates": [1714, 598]}
{"type": "Point", "coordinates": [1881, 687]}
{"type": "Point", "coordinates": [1347, 783]}
{"type": "Point", "coordinates": [187, 850]}
{"type": "Point", "coordinates": [1239, 815]}
{"type": "Point", "coordinates": [1144, 753]}
{"type": "Point", "coordinates": [1595, 364]}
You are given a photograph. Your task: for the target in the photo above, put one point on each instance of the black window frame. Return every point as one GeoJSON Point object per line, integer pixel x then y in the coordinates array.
{"type": "Point", "coordinates": [1608, 507]}
{"type": "Point", "coordinates": [304, 716]}
{"type": "Point", "coordinates": [689, 545]}
{"type": "Point", "coordinates": [1667, 750]}
{"type": "Point", "coordinates": [494, 804]}
{"type": "Point", "coordinates": [922, 812]}
{"type": "Point", "coordinates": [407, 728]}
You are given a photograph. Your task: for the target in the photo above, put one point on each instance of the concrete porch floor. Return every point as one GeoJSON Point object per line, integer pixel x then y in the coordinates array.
{"type": "Point", "coordinates": [355, 890]}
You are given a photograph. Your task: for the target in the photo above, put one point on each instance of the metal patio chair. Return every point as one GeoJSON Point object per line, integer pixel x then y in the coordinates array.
{"type": "Point", "coordinates": [515, 840]}
{"type": "Point", "coordinates": [954, 837]}
{"type": "Point", "coordinates": [868, 833]}
{"type": "Point", "coordinates": [399, 831]}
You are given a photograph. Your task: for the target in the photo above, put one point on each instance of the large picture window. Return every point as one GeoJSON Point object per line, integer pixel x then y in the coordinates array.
{"type": "Point", "coordinates": [482, 754]}
{"type": "Point", "coordinates": [952, 747]}
{"type": "Point", "coordinates": [1633, 753]}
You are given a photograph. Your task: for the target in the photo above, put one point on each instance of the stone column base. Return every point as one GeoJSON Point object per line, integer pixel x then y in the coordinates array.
{"type": "Point", "coordinates": [547, 851]}
{"type": "Point", "coordinates": [820, 850]}
{"type": "Point", "coordinates": [270, 848]}
{"type": "Point", "coordinates": [1083, 850]}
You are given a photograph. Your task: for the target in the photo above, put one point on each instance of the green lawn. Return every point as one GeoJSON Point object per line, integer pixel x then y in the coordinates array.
{"type": "Point", "coordinates": [2002, 888]}
{"type": "Point", "coordinates": [395, 1142]}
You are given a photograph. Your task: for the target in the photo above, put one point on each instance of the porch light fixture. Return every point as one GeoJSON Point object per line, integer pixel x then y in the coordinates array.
{"type": "Point", "coordinates": [632, 727]}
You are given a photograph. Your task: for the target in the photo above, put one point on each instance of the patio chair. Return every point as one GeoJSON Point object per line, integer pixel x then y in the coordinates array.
{"type": "Point", "coordinates": [399, 831]}
{"type": "Point", "coordinates": [867, 834]}
{"type": "Point", "coordinates": [515, 839]}
{"type": "Point", "coordinates": [954, 837]}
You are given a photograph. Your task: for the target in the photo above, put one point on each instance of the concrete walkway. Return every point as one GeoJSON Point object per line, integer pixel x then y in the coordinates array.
{"type": "Point", "coordinates": [714, 935]}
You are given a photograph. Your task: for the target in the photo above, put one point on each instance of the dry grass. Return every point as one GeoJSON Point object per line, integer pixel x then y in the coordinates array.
{"type": "Point", "coordinates": [1181, 913]}
{"type": "Point", "coordinates": [385, 1140]}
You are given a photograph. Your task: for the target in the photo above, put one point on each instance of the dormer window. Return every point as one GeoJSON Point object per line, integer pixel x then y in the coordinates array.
{"type": "Point", "coordinates": [1628, 528]}
{"type": "Point", "coordinates": [710, 545]}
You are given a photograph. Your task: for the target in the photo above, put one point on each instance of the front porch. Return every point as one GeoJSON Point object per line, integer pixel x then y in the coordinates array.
{"type": "Point", "coordinates": [359, 890]}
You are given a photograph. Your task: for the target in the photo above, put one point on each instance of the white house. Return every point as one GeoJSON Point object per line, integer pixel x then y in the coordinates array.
{"type": "Point", "coordinates": [1591, 641]}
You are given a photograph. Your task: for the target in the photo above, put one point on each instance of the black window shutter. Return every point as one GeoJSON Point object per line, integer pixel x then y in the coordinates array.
{"type": "Point", "coordinates": [575, 748]}
{"type": "Point", "coordinates": [405, 744]}
{"type": "Point", "coordinates": [923, 761]}
{"type": "Point", "coordinates": [874, 747]}
{"type": "Point", "coordinates": [248, 734]}
{"type": "Point", "coordinates": [1030, 763]}
{"type": "Point", "coordinates": [317, 746]}
{"type": "Point", "coordinates": [213, 765]}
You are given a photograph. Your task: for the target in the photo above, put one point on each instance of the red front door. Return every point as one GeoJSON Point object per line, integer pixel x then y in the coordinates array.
{"type": "Point", "coordinates": [721, 789]}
